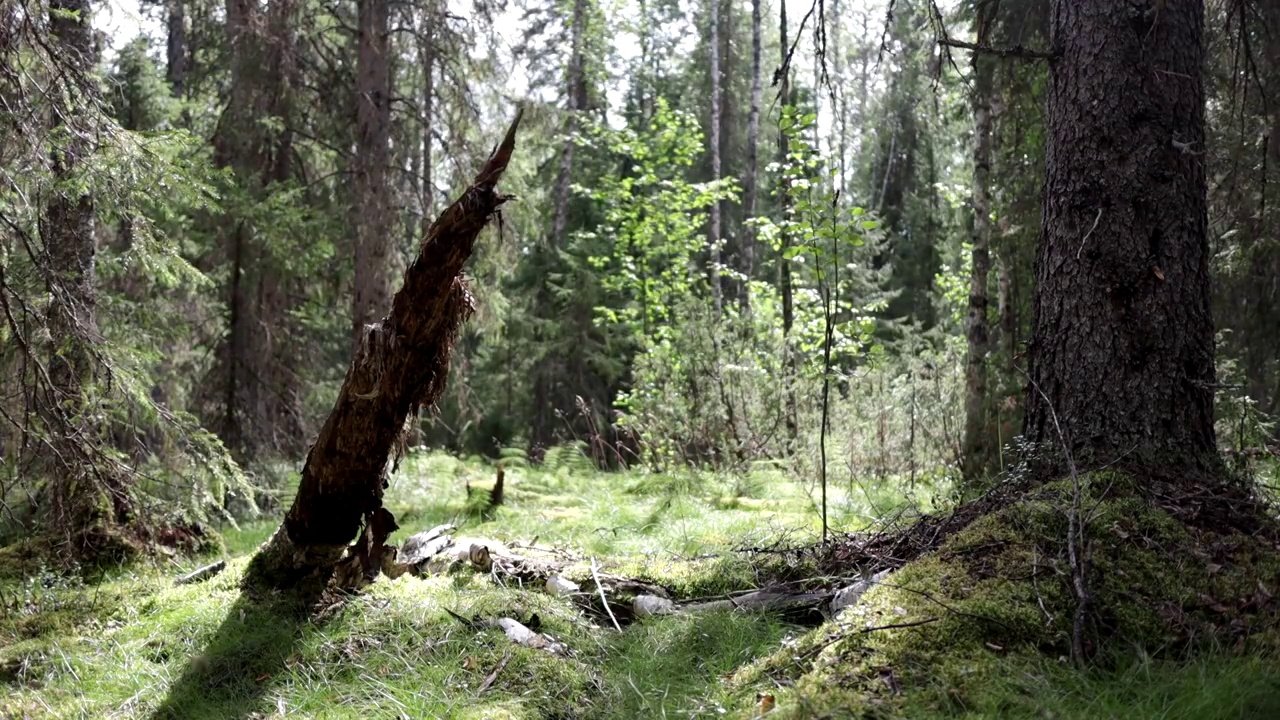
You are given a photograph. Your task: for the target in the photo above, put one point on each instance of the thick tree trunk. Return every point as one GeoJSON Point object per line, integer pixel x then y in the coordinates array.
{"type": "Point", "coordinates": [713, 226]}
{"type": "Point", "coordinates": [977, 445]}
{"type": "Point", "coordinates": [369, 212]}
{"type": "Point", "coordinates": [400, 365]}
{"type": "Point", "coordinates": [86, 502]}
{"type": "Point", "coordinates": [1122, 354]}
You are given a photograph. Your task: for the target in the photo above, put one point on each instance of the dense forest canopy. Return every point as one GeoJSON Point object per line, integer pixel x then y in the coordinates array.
{"type": "Point", "coordinates": [913, 259]}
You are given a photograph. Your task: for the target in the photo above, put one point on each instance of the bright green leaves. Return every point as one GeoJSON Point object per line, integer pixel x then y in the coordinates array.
{"type": "Point", "coordinates": [653, 220]}
{"type": "Point", "coordinates": [832, 248]}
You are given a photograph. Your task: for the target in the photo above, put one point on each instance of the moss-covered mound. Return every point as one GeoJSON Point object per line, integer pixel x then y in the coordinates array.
{"type": "Point", "coordinates": [983, 623]}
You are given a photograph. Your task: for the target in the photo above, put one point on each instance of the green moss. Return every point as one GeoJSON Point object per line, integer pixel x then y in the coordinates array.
{"type": "Point", "coordinates": [996, 600]}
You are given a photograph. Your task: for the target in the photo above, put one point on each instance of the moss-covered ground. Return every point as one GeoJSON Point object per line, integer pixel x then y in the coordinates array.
{"type": "Point", "coordinates": [1187, 627]}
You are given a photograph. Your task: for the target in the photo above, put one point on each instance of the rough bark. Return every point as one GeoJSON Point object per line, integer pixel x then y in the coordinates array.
{"type": "Point", "coordinates": [713, 141]}
{"type": "Point", "coordinates": [752, 181]}
{"type": "Point", "coordinates": [977, 446]}
{"type": "Point", "coordinates": [86, 502]}
{"type": "Point", "coordinates": [369, 211]}
{"type": "Point", "coordinates": [1122, 353]}
{"type": "Point", "coordinates": [401, 364]}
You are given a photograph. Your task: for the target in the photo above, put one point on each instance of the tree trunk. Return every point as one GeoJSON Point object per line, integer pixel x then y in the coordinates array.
{"type": "Point", "coordinates": [577, 103]}
{"type": "Point", "coordinates": [86, 501]}
{"type": "Point", "coordinates": [1122, 353]}
{"type": "Point", "coordinates": [369, 211]}
{"type": "Point", "coordinates": [752, 181]}
{"type": "Point", "coordinates": [176, 55]}
{"type": "Point", "coordinates": [400, 365]}
{"type": "Point", "coordinates": [977, 448]}
{"type": "Point", "coordinates": [790, 419]}
{"type": "Point", "coordinates": [713, 229]}
{"type": "Point", "coordinates": [260, 395]}
{"type": "Point", "coordinates": [544, 399]}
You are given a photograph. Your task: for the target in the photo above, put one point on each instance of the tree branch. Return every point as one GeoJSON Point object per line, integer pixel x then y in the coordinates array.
{"type": "Point", "coordinates": [1010, 51]}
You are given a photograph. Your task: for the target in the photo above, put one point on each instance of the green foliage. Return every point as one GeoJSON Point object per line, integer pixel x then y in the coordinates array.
{"type": "Point", "coordinates": [652, 223]}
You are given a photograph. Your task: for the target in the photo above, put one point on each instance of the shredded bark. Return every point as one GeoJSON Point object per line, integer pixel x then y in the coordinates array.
{"type": "Point", "coordinates": [401, 364]}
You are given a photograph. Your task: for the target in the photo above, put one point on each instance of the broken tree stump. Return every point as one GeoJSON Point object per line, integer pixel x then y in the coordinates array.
{"type": "Point", "coordinates": [400, 364]}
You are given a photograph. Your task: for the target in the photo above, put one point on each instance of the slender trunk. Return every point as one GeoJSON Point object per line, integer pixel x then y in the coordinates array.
{"type": "Point", "coordinates": [976, 451]}
{"type": "Point", "coordinates": [1122, 353]}
{"type": "Point", "coordinates": [258, 365]}
{"type": "Point", "coordinates": [545, 405]}
{"type": "Point", "coordinates": [370, 214]}
{"type": "Point", "coordinates": [713, 230]}
{"type": "Point", "coordinates": [176, 55]}
{"type": "Point", "coordinates": [784, 264]}
{"type": "Point", "coordinates": [577, 103]}
{"type": "Point", "coordinates": [752, 182]}
{"type": "Point", "coordinates": [1008, 310]}
{"type": "Point", "coordinates": [427, 56]}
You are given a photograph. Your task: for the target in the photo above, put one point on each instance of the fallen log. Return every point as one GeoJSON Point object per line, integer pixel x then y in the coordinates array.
{"type": "Point", "coordinates": [610, 598]}
{"type": "Point", "coordinates": [400, 365]}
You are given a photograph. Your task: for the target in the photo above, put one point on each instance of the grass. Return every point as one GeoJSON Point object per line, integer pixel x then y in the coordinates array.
{"type": "Point", "coordinates": [132, 645]}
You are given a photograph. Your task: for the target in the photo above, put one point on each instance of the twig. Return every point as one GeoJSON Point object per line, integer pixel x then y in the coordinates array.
{"type": "Point", "coordinates": [493, 675]}
{"type": "Point", "coordinates": [600, 589]}
{"type": "Point", "coordinates": [896, 626]}
{"type": "Point", "coordinates": [1012, 51]}
{"type": "Point", "coordinates": [1074, 550]}
{"type": "Point", "coordinates": [1087, 236]}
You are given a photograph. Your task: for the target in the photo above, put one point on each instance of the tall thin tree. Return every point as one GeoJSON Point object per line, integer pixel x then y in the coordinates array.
{"type": "Point", "coordinates": [370, 214]}
{"type": "Point", "coordinates": [713, 141]}
{"type": "Point", "coordinates": [977, 333]}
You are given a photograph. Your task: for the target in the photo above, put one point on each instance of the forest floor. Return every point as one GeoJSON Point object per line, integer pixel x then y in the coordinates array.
{"type": "Point", "coordinates": [134, 645]}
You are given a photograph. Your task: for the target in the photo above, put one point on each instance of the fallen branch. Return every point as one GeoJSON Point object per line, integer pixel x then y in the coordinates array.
{"type": "Point", "coordinates": [603, 600]}
{"type": "Point", "coordinates": [201, 574]}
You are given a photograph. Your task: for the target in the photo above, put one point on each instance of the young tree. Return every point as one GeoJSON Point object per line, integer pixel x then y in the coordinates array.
{"type": "Point", "coordinates": [1122, 346]}
{"type": "Point", "coordinates": [713, 143]}
{"type": "Point", "coordinates": [976, 431]}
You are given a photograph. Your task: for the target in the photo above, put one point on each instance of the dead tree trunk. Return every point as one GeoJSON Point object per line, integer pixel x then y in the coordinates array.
{"type": "Point", "coordinates": [400, 364]}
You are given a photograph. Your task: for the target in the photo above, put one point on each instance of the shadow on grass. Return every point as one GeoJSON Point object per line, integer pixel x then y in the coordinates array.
{"type": "Point", "coordinates": [240, 664]}
{"type": "Point", "coordinates": [675, 666]}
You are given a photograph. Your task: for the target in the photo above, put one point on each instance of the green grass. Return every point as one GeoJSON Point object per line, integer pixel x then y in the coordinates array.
{"type": "Point", "coordinates": [135, 646]}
